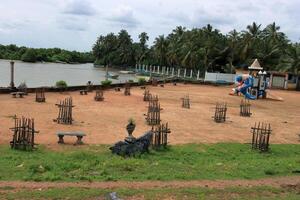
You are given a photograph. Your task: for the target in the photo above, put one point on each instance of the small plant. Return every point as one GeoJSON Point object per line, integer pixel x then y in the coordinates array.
{"type": "Point", "coordinates": [61, 84]}
{"type": "Point", "coordinates": [130, 81]}
{"type": "Point", "coordinates": [131, 121]}
{"type": "Point", "coordinates": [142, 81]}
{"type": "Point", "coordinates": [270, 172]}
{"type": "Point", "coordinates": [22, 85]}
{"type": "Point", "coordinates": [106, 83]}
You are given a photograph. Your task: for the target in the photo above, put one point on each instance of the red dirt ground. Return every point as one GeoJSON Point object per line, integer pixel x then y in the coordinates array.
{"type": "Point", "coordinates": [104, 122]}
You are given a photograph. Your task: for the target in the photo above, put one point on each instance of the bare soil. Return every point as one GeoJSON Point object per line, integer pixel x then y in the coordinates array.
{"type": "Point", "coordinates": [104, 122]}
{"type": "Point", "coordinates": [290, 182]}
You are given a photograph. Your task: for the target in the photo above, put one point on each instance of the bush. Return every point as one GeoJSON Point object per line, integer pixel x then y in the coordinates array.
{"type": "Point", "coordinates": [270, 172]}
{"type": "Point", "coordinates": [29, 56]}
{"type": "Point", "coordinates": [142, 81]}
{"type": "Point", "coordinates": [130, 81]}
{"type": "Point", "coordinates": [61, 84]}
{"type": "Point", "coordinates": [22, 86]}
{"type": "Point", "coordinates": [106, 83]}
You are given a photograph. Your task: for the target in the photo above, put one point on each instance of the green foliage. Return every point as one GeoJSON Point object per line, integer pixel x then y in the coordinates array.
{"type": "Point", "coordinates": [106, 83]}
{"type": "Point", "coordinates": [13, 52]}
{"type": "Point", "coordinates": [206, 49]}
{"type": "Point", "coordinates": [61, 84]}
{"type": "Point", "coordinates": [141, 81]}
{"type": "Point", "coordinates": [182, 162]}
{"type": "Point", "coordinates": [29, 56]}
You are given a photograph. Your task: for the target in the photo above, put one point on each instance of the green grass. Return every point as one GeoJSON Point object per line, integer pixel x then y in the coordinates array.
{"type": "Point", "coordinates": [153, 194]}
{"type": "Point", "coordinates": [182, 162]}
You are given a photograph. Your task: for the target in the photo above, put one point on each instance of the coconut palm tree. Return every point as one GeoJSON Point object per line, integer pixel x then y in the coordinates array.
{"type": "Point", "coordinates": [160, 48]}
{"type": "Point", "coordinates": [292, 62]}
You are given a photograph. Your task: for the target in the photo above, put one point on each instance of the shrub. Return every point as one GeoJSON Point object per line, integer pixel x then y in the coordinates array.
{"type": "Point", "coordinates": [106, 83]}
{"type": "Point", "coordinates": [61, 84]}
{"type": "Point", "coordinates": [130, 81]}
{"type": "Point", "coordinates": [22, 86]}
{"type": "Point", "coordinates": [270, 172]}
{"type": "Point", "coordinates": [142, 81]}
{"type": "Point", "coordinates": [29, 56]}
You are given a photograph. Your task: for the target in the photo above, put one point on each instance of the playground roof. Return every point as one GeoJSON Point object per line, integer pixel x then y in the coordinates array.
{"type": "Point", "coordinates": [255, 65]}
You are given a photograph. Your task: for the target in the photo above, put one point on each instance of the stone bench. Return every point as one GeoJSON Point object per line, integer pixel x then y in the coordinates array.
{"type": "Point", "coordinates": [16, 94]}
{"type": "Point", "coordinates": [83, 92]}
{"type": "Point", "coordinates": [79, 136]}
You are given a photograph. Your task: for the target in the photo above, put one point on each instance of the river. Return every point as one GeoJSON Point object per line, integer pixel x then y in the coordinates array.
{"type": "Point", "coordinates": [46, 74]}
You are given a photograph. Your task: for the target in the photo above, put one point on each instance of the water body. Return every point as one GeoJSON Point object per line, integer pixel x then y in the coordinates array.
{"type": "Point", "coordinates": [46, 74]}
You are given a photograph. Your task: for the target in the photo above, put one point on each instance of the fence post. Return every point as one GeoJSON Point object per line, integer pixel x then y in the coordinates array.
{"type": "Point", "coordinates": [178, 74]}
{"type": "Point", "coordinates": [191, 74]}
{"type": "Point", "coordinates": [198, 74]}
{"type": "Point", "coordinates": [184, 74]}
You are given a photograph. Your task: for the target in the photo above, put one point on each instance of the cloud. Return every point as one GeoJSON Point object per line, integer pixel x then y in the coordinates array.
{"type": "Point", "coordinates": [73, 23]}
{"type": "Point", "coordinates": [79, 7]}
{"type": "Point", "coordinates": [124, 16]}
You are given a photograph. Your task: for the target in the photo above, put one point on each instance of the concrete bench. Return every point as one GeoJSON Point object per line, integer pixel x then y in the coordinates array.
{"type": "Point", "coordinates": [16, 94]}
{"type": "Point", "coordinates": [79, 136]}
{"type": "Point", "coordinates": [83, 92]}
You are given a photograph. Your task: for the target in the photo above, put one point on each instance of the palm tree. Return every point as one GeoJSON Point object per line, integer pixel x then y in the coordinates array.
{"type": "Point", "coordinates": [233, 38]}
{"type": "Point", "coordinates": [250, 38]}
{"type": "Point", "coordinates": [160, 48]}
{"type": "Point", "coordinates": [143, 46]}
{"type": "Point", "coordinates": [292, 63]}
{"type": "Point", "coordinates": [272, 32]}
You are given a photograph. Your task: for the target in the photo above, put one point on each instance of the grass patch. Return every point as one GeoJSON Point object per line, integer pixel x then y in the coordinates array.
{"type": "Point", "coordinates": [157, 193]}
{"type": "Point", "coordinates": [181, 162]}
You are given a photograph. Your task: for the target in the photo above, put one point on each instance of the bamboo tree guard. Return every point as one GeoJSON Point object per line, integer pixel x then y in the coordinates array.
{"type": "Point", "coordinates": [160, 135]}
{"type": "Point", "coordinates": [40, 95]}
{"type": "Point", "coordinates": [260, 136]}
{"type": "Point", "coordinates": [99, 95]}
{"type": "Point", "coordinates": [220, 112]}
{"type": "Point", "coordinates": [153, 98]}
{"type": "Point", "coordinates": [127, 89]}
{"type": "Point", "coordinates": [153, 114]}
{"type": "Point", "coordinates": [186, 102]}
{"type": "Point", "coordinates": [147, 95]}
{"type": "Point", "coordinates": [65, 111]}
{"type": "Point", "coordinates": [245, 108]}
{"type": "Point", "coordinates": [23, 134]}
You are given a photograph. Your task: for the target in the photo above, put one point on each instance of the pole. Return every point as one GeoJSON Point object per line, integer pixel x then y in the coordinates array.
{"type": "Point", "coordinates": [12, 71]}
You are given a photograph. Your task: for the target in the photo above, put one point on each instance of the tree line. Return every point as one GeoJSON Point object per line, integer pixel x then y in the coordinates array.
{"type": "Point", "coordinates": [205, 49]}
{"type": "Point", "coordinates": [13, 52]}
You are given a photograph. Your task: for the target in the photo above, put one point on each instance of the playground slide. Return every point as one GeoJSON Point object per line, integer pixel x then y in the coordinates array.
{"type": "Point", "coordinates": [243, 89]}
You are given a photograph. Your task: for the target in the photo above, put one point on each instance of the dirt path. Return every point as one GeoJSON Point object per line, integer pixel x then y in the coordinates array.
{"type": "Point", "coordinates": [292, 181]}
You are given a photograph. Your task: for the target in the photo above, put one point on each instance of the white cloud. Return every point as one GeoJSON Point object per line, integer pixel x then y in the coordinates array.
{"type": "Point", "coordinates": [75, 24]}
{"type": "Point", "coordinates": [79, 7]}
{"type": "Point", "coordinates": [124, 16]}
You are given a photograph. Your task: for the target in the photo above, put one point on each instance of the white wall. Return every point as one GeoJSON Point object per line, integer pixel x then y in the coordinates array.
{"type": "Point", "coordinates": [214, 77]}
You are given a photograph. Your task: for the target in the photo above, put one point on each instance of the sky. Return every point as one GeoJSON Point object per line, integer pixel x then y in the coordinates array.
{"type": "Point", "coordinates": [76, 24]}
